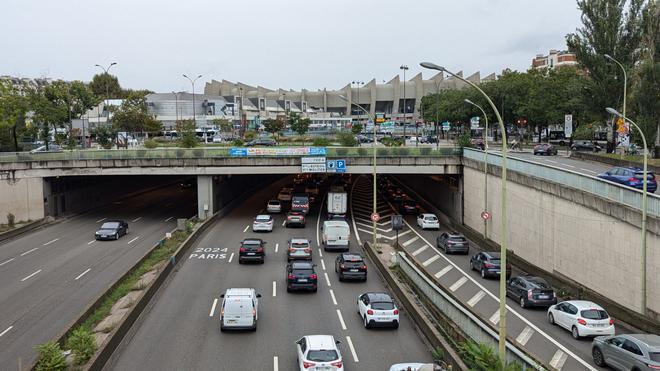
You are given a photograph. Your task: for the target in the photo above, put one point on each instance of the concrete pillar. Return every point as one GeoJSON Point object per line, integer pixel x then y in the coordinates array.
{"type": "Point", "coordinates": [205, 196]}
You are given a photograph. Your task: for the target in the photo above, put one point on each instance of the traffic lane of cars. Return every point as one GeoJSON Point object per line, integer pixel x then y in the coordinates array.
{"type": "Point", "coordinates": [561, 161]}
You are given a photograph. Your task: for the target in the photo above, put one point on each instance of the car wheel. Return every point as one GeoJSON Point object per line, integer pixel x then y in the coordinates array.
{"type": "Point", "coordinates": [597, 355]}
{"type": "Point", "coordinates": [366, 323]}
{"type": "Point", "coordinates": [341, 278]}
{"type": "Point", "coordinates": [575, 333]}
{"type": "Point", "coordinates": [396, 325]}
{"type": "Point", "coordinates": [523, 304]}
{"type": "Point", "coordinates": [551, 318]}
{"type": "Point", "coordinates": [116, 236]}
{"type": "Point", "coordinates": [483, 273]}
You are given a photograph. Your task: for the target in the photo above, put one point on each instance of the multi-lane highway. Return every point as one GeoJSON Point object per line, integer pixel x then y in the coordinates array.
{"type": "Point", "coordinates": [180, 329]}
{"type": "Point", "coordinates": [51, 275]}
{"type": "Point", "coordinates": [529, 327]}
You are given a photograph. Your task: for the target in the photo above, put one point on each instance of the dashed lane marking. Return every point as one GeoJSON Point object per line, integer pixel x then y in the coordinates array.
{"type": "Point", "coordinates": [276, 363]}
{"type": "Point", "coordinates": [30, 276]}
{"type": "Point", "coordinates": [443, 271]}
{"type": "Point", "coordinates": [246, 228]}
{"type": "Point", "coordinates": [476, 298]}
{"type": "Point", "coordinates": [495, 318]}
{"type": "Point", "coordinates": [100, 220]}
{"type": "Point", "coordinates": [352, 348]}
{"type": "Point", "coordinates": [320, 252]}
{"type": "Point", "coordinates": [420, 250]}
{"type": "Point", "coordinates": [6, 331]}
{"type": "Point", "coordinates": [133, 240]}
{"type": "Point", "coordinates": [431, 260]}
{"type": "Point", "coordinates": [323, 264]}
{"type": "Point", "coordinates": [410, 241]}
{"type": "Point", "coordinates": [83, 273]}
{"type": "Point", "coordinates": [231, 257]}
{"type": "Point", "coordinates": [589, 171]}
{"type": "Point", "coordinates": [457, 285]}
{"type": "Point", "coordinates": [327, 279]}
{"type": "Point", "coordinates": [525, 335]}
{"type": "Point", "coordinates": [215, 302]}
{"type": "Point", "coordinates": [332, 295]}
{"type": "Point", "coordinates": [558, 359]}
{"type": "Point", "coordinates": [136, 219]}
{"type": "Point", "coordinates": [51, 241]}
{"type": "Point", "coordinates": [341, 320]}
{"type": "Point", "coordinates": [91, 242]}
{"type": "Point", "coordinates": [274, 288]}
{"type": "Point", "coordinates": [29, 251]}
{"type": "Point", "coordinates": [277, 246]}
{"type": "Point", "coordinates": [168, 219]}
{"type": "Point", "coordinates": [5, 262]}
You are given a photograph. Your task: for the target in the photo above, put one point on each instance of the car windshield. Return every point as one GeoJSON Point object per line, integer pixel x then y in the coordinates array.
{"type": "Point", "coordinates": [594, 314]}
{"type": "Point", "coordinates": [540, 284]}
{"type": "Point", "coordinates": [382, 305]}
{"type": "Point", "coordinates": [110, 225]}
{"type": "Point", "coordinates": [494, 261]}
{"type": "Point", "coordinates": [322, 355]}
{"type": "Point", "coordinates": [274, 203]}
{"type": "Point", "coordinates": [251, 243]}
{"type": "Point", "coordinates": [263, 218]}
{"type": "Point", "coordinates": [655, 357]}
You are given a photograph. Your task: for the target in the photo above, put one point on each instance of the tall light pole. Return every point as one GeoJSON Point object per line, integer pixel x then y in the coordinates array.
{"type": "Point", "coordinates": [485, 164]}
{"type": "Point", "coordinates": [437, 113]}
{"type": "Point", "coordinates": [176, 106]}
{"type": "Point", "coordinates": [107, 86]}
{"type": "Point", "coordinates": [404, 68]}
{"type": "Point", "coordinates": [357, 84]}
{"type": "Point", "coordinates": [625, 84]}
{"type": "Point", "coordinates": [375, 210]}
{"type": "Point", "coordinates": [644, 200]}
{"type": "Point", "coordinates": [503, 242]}
{"type": "Point", "coordinates": [192, 81]}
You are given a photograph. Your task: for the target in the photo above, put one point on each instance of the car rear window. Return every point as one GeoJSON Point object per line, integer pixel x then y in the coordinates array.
{"type": "Point", "coordinates": [431, 218]}
{"type": "Point", "coordinates": [640, 175]}
{"type": "Point", "coordinates": [540, 284]}
{"type": "Point", "coordinates": [110, 225]}
{"type": "Point", "coordinates": [322, 355]}
{"type": "Point", "coordinates": [303, 271]}
{"type": "Point", "coordinates": [655, 357]}
{"type": "Point", "coordinates": [382, 305]}
{"type": "Point", "coordinates": [494, 261]}
{"type": "Point", "coordinates": [299, 245]}
{"type": "Point", "coordinates": [263, 218]}
{"type": "Point", "coordinates": [273, 202]}
{"type": "Point", "coordinates": [594, 314]}
{"type": "Point", "coordinates": [251, 243]}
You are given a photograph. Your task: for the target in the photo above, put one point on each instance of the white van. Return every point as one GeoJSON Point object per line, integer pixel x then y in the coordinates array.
{"type": "Point", "coordinates": [336, 235]}
{"type": "Point", "coordinates": [239, 309]}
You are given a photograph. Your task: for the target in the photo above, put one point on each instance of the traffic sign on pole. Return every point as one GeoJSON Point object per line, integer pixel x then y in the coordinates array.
{"type": "Point", "coordinates": [485, 215]}
{"type": "Point", "coordinates": [375, 217]}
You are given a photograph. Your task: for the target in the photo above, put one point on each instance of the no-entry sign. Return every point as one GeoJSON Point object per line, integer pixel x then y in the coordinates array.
{"type": "Point", "coordinates": [485, 215]}
{"type": "Point", "coordinates": [375, 217]}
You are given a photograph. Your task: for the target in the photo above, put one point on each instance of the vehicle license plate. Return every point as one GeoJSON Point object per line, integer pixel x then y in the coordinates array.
{"type": "Point", "coordinates": [250, 253]}
{"type": "Point", "coordinates": [354, 270]}
{"type": "Point", "coordinates": [302, 280]}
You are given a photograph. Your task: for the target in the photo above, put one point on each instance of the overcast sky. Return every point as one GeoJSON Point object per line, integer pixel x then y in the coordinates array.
{"type": "Point", "coordinates": [287, 43]}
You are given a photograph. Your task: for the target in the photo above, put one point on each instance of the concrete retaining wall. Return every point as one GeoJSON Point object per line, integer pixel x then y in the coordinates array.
{"type": "Point", "coordinates": [23, 198]}
{"type": "Point", "coordinates": [445, 192]}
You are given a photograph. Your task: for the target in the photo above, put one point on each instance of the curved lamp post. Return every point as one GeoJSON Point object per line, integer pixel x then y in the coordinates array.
{"type": "Point", "coordinates": [625, 84]}
{"type": "Point", "coordinates": [644, 200]}
{"type": "Point", "coordinates": [485, 164]}
{"type": "Point", "coordinates": [503, 242]}
{"type": "Point", "coordinates": [192, 81]}
{"type": "Point", "coordinates": [375, 210]}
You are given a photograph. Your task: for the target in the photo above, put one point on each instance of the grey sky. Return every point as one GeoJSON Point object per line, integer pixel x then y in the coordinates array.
{"type": "Point", "coordinates": [290, 44]}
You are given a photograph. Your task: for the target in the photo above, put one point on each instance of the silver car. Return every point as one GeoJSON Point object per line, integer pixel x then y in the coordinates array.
{"type": "Point", "coordinates": [627, 352]}
{"type": "Point", "coordinates": [274, 206]}
{"type": "Point", "coordinates": [262, 223]}
{"type": "Point", "coordinates": [299, 248]}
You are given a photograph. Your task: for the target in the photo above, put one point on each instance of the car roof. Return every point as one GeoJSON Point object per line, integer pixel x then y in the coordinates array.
{"type": "Point", "coordinates": [301, 265]}
{"type": "Point", "coordinates": [239, 292]}
{"type": "Point", "coordinates": [428, 214]}
{"type": "Point", "coordinates": [584, 304]}
{"type": "Point", "coordinates": [650, 340]}
{"type": "Point", "coordinates": [456, 234]}
{"type": "Point", "coordinates": [320, 342]}
{"type": "Point", "coordinates": [492, 254]}
{"type": "Point", "coordinates": [533, 279]}
{"type": "Point", "coordinates": [352, 256]}
{"type": "Point", "coordinates": [252, 240]}
{"type": "Point", "coordinates": [379, 296]}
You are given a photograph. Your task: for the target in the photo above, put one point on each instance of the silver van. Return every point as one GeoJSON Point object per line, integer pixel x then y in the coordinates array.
{"type": "Point", "coordinates": [336, 235]}
{"type": "Point", "coordinates": [239, 310]}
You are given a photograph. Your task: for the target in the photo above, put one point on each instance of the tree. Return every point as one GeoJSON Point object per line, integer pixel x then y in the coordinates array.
{"type": "Point", "coordinates": [273, 126]}
{"type": "Point", "coordinates": [133, 116]}
{"type": "Point", "coordinates": [50, 105]}
{"type": "Point", "coordinates": [186, 131]}
{"type": "Point", "coordinates": [106, 86]}
{"type": "Point", "coordinates": [105, 135]}
{"type": "Point", "coordinates": [357, 128]}
{"type": "Point", "coordinates": [299, 125]}
{"type": "Point", "coordinates": [14, 104]}
{"type": "Point", "coordinates": [224, 125]}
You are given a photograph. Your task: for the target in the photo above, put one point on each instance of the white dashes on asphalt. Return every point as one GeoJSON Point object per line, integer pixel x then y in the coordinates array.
{"type": "Point", "coordinates": [431, 260]}
{"type": "Point", "coordinates": [341, 320]}
{"type": "Point", "coordinates": [558, 359]}
{"type": "Point", "coordinates": [443, 271]}
{"type": "Point", "coordinates": [30, 276]}
{"type": "Point", "coordinates": [458, 284]}
{"type": "Point", "coordinates": [405, 244]}
{"type": "Point", "coordinates": [215, 302]}
{"type": "Point", "coordinates": [420, 250]}
{"type": "Point", "coordinates": [327, 279]}
{"type": "Point", "coordinates": [352, 348]}
{"type": "Point", "coordinates": [495, 318]}
{"type": "Point", "coordinates": [83, 273]}
{"type": "Point", "coordinates": [476, 298]}
{"type": "Point", "coordinates": [525, 335]}
{"type": "Point", "coordinates": [332, 295]}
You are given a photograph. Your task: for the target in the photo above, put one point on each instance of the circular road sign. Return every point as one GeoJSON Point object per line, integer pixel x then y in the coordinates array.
{"type": "Point", "coordinates": [485, 215]}
{"type": "Point", "coordinates": [375, 217]}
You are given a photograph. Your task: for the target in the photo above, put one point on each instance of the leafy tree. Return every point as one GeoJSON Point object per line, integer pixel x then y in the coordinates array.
{"type": "Point", "coordinates": [104, 135]}
{"type": "Point", "coordinates": [299, 125]}
{"type": "Point", "coordinates": [186, 131]}
{"type": "Point", "coordinates": [106, 86]}
{"type": "Point", "coordinates": [133, 116]}
{"type": "Point", "coordinates": [273, 126]}
{"type": "Point", "coordinates": [50, 105]}
{"type": "Point", "coordinates": [347, 139]}
{"type": "Point", "coordinates": [357, 128]}
{"type": "Point", "coordinates": [14, 104]}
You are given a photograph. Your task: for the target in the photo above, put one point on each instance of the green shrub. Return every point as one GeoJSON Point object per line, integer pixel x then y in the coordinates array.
{"type": "Point", "coordinates": [141, 153]}
{"type": "Point", "coordinates": [150, 144]}
{"type": "Point", "coordinates": [347, 139]}
{"type": "Point", "coordinates": [82, 345]}
{"type": "Point", "coordinates": [250, 135]}
{"type": "Point", "coordinates": [362, 151]}
{"type": "Point", "coordinates": [464, 140]}
{"type": "Point", "coordinates": [342, 151]}
{"type": "Point", "coordinates": [425, 151]}
{"type": "Point", "coordinates": [481, 357]}
{"type": "Point", "coordinates": [11, 220]}
{"type": "Point", "coordinates": [237, 143]}
{"type": "Point", "coordinates": [321, 142]}
{"type": "Point", "coordinates": [50, 357]}
{"type": "Point", "coordinates": [438, 354]}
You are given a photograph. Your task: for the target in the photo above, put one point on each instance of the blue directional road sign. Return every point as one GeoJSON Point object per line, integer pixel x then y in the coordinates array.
{"type": "Point", "coordinates": [331, 166]}
{"type": "Point", "coordinates": [341, 166]}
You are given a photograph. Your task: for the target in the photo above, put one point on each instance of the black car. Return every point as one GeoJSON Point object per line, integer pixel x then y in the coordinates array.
{"type": "Point", "coordinates": [453, 243]}
{"type": "Point", "coordinates": [252, 249]}
{"type": "Point", "coordinates": [351, 266]}
{"type": "Point", "coordinates": [586, 146]}
{"type": "Point", "coordinates": [531, 291]}
{"type": "Point", "coordinates": [488, 264]}
{"type": "Point", "coordinates": [409, 207]}
{"type": "Point", "coordinates": [300, 275]}
{"type": "Point", "coordinates": [261, 142]}
{"type": "Point", "coordinates": [112, 230]}
{"type": "Point", "coordinates": [296, 218]}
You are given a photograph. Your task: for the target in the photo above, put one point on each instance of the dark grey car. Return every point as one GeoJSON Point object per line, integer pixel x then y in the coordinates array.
{"type": "Point", "coordinates": [112, 230]}
{"type": "Point", "coordinates": [299, 248]}
{"type": "Point", "coordinates": [639, 352]}
{"type": "Point", "coordinates": [453, 243]}
{"type": "Point", "coordinates": [531, 291]}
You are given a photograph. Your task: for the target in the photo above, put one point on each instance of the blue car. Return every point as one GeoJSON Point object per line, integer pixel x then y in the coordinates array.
{"type": "Point", "coordinates": [631, 177]}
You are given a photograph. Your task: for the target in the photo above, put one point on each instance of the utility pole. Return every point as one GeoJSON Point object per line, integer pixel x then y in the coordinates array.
{"type": "Point", "coordinates": [404, 68]}
{"type": "Point", "coordinates": [192, 81]}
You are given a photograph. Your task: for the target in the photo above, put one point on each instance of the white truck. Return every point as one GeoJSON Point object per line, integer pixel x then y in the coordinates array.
{"type": "Point", "coordinates": [336, 235]}
{"type": "Point", "coordinates": [337, 203]}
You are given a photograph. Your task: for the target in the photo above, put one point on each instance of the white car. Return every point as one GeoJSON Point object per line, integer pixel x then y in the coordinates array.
{"type": "Point", "coordinates": [581, 318]}
{"type": "Point", "coordinates": [285, 195]}
{"type": "Point", "coordinates": [239, 309]}
{"type": "Point", "coordinates": [414, 367]}
{"type": "Point", "coordinates": [428, 221]}
{"type": "Point", "coordinates": [263, 223]}
{"type": "Point", "coordinates": [319, 353]}
{"type": "Point", "coordinates": [378, 309]}
{"type": "Point", "coordinates": [274, 206]}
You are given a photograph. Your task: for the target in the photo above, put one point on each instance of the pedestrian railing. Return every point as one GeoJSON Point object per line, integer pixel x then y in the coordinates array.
{"type": "Point", "coordinates": [588, 183]}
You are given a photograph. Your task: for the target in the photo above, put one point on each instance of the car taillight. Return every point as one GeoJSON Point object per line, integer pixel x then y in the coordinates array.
{"type": "Point", "coordinates": [308, 250]}
{"type": "Point", "coordinates": [222, 312]}
{"type": "Point", "coordinates": [242, 249]}
{"type": "Point", "coordinates": [336, 364]}
{"type": "Point", "coordinates": [364, 267]}
{"type": "Point", "coordinates": [582, 322]}
{"type": "Point", "coordinates": [260, 249]}
{"type": "Point", "coordinates": [291, 277]}
{"type": "Point", "coordinates": [611, 322]}
{"type": "Point", "coordinates": [308, 364]}
{"type": "Point", "coordinates": [313, 276]}
{"type": "Point", "coordinates": [342, 266]}
{"type": "Point", "coordinates": [254, 312]}
{"type": "Point", "coordinates": [488, 265]}
{"type": "Point", "coordinates": [654, 367]}
{"type": "Point", "coordinates": [396, 311]}
{"type": "Point", "coordinates": [529, 294]}
{"type": "Point", "coordinates": [632, 180]}
{"type": "Point", "coordinates": [288, 218]}
{"type": "Point", "coordinates": [291, 250]}
{"type": "Point", "coordinates": [370, 312]}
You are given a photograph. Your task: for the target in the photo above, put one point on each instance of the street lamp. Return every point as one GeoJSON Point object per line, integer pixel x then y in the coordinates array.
{"type": "Point", "coordinates": [404, 68]}
{"type": "Point", "coordinates": [107, 87]}
{"type": "Point", "coordinates": [503, 242]}
{"type": "Point", "coordinates": [193, 94]}
{"type": "Point", "coordinates": [176, 106]}
{"type": "Point", "coordinates": [644, 200]}
{"type": "Point", "coordinates": [357, 84]}
{"type": "Point", "coordinates": [625, 83]}
{"type": "Point", "coordinates": [375, 210]}
{"type": "Point", "coordinates": [485, 164]}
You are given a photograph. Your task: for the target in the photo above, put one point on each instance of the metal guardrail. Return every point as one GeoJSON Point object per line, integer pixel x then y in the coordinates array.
{"type": "Point", "coordinates": [469, 323]}
{"type": "Point", "coordinates": [219, 152]}
{"type": "Point", "coordinates": [599, 187]}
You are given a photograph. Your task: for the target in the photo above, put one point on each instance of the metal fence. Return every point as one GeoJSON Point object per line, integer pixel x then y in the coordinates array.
{"type": "Point", "coordinates": [599, 187]}
{"type": "Point", "coordinates": [219, 152]}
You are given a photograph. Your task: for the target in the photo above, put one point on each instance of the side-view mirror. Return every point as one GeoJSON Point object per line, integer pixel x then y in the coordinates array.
{"type": "Point", "coordinates": [337, 342]}
{"type": "Point", "coordinates": [258, 295]}
{"type": "Point", "coordinates": [222, 295]}
{"type": "Point", "coordinates": [299, 341]}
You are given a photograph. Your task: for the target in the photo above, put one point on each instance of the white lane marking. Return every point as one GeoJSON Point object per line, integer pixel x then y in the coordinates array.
{"type": "Point", "coordinates": [274, 289]}
{"type": "Point", "coordinates": [51, 241]}
{"type": "Point", "coordinates": [410, 241]}
{"type": "Point", "coordinates": [589, 171]}
{"type": "Point", "coordinates": [136, 219]}
{"type": "Point", "coordinates": [332, 295]}
{"type": "Point", "coordinates": [552, 162]}
{"type": "Point", "coordinates": [276, 363]}
{"type": "Point", "coordinates": [320, 253]}
{"type": "Point", "coordinates": [100, 220]}
{"type": "Point", "coordinates": [168, 219]}
{"type": "Point", "coordinates": [83, 273]}
{"type": "Point", "coordinates": [29, 251]}
{"type": "Point", "coordinates": [133, 240]}
{"type": "Point", "coordinates": [231, 257]}
{"type": "Point", "coordinates": [431, 260]}
{"type": "Point", "coordinates": [457, 285]}
{"type": "Point", "coordinates": [495, 318]}
{"type": "Point", "coordinates": [246, 228]}
{"type": "Point", "coordinates": [341, 320]}
{"type": "Point", "coordinates": [558, 359]}
{"type": "Point", "coordinates": [91, 242]}
{"type": "Point", "coordinates": [327, 279]}
{"type": "Point", "coordinates": [323, 264]}
{"type": "Point", "coordinates": [567, 165]}
{"type": "Point", "coordinates": [420, 250]}
{"type": "Point", "coordinates": [352, 348]}
{"type": "Point", "coordinates": [525, 335]}
{"type": "Point", "coordinates": [212, 312]}
{"type": "Point", "coordinates": [475, 299]}
{"type": "Point", "coordinates": [283, 222]}
{"type": "Point", "coordinates": [6, 331]}
{"type": "Point", "coordinates": [277, 246]}
{"type": "Point", "coordinates": [30, 276]}
{"type": "Point", "coordinates": [6, 261]}
{"type": "Point", "coordinates": [318, 222]}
